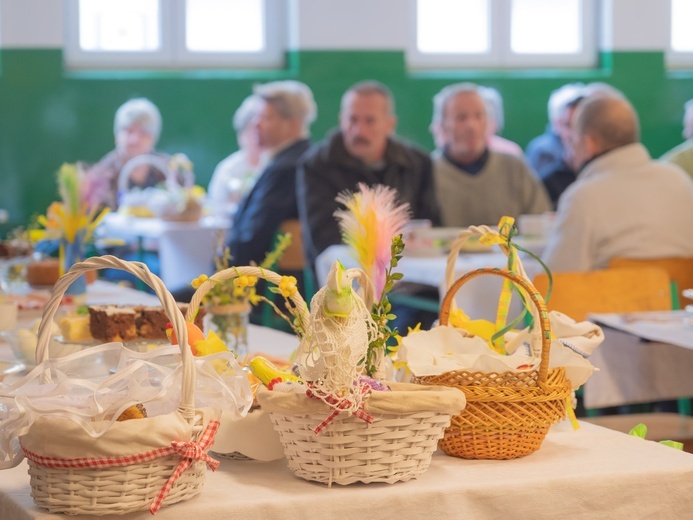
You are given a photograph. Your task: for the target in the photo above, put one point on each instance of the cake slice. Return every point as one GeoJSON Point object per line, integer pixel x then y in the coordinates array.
{"type": "Point", "coordinates": [112, 323]}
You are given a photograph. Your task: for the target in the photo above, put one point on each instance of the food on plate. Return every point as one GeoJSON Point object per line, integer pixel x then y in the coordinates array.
{"type": "Point", "coordinates": [75, 328]}
{"type": "Point", "coordinates": [131, 322]}
{"type": "Point", "coordinates": [112, 323]}
{"type": "Point", "coordinates": [44, 272]}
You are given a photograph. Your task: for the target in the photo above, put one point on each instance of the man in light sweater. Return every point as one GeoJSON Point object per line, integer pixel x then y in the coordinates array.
{"type": "Point", "coordinates": [623, 204]}
{"type": "Point", "coordinates": [475, 185]}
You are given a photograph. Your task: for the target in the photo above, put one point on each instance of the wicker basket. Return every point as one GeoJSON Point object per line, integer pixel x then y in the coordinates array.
{"type": "Point", "coordinates": [271, 450]}
{"type": "Point", "coordinates": [508, 414]}
{"type": "Point", "coordinates": [123, 488]}
{"type": "Point", "coordinates": [396, 446]}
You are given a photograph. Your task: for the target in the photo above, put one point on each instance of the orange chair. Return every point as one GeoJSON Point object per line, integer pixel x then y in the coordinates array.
{"type": "Point", "coordinates": [609, 290]}
{"type": "Point", "coordinates": [680, 271]}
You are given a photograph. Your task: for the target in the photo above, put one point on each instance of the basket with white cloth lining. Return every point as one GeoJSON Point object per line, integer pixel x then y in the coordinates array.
{"type": "Point", "coordinates": [135, 464]}
{"type": "Point", "coordinates": [253, 435]}
{"type": "Point", "coordinates": [390, 439]}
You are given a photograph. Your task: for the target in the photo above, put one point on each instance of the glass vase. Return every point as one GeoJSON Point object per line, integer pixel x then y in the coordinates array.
{"type": "Point", "coordinates": [230, 323]}
{"type": "Point", "coordinates": [71, 253]}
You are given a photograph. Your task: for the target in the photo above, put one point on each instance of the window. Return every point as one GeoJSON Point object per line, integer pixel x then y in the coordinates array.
{"type": "Point", "coordinates": [503, 33]}
{"type": "Point", "coordinates": [174, 33]}
{"type": "Point", "coordinates": [680, 52]}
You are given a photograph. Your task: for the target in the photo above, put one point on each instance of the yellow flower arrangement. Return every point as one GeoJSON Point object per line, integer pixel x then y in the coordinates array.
{"type": "Point", "coordinates": [70, 220]}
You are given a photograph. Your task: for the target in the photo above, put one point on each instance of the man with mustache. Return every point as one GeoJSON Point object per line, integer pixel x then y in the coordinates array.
{"type": "Point", "coordinates": [475, 185]}
{"type": "Point", "coordinates": [363, 150]}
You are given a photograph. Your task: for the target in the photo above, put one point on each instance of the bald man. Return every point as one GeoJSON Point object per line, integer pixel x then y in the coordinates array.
{"type": "Point", "coordinates": [623, 204]}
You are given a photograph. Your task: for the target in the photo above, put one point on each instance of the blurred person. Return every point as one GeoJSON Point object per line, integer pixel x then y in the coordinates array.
{"type": "Point", "coordinates": [363, 150]}
{"type": "Point", "coordinates": [136, 129]}
{"type": "Point", "coordinates": [474, 184]}
{"type": "Point", "coordinates": [282, 128]}
{"type": "Point", "coordinates": [682, 155]}
{"type": "Point", "coordinates": [235, 176]}
{"type": "Point", "coordinates": [496, 123]}
{"type": "Point", "coordinates": [623, 204]}
{"type": "Point", "coordinates": [563, 173]}
{"type": "Point", "coordinates": [547, 153]}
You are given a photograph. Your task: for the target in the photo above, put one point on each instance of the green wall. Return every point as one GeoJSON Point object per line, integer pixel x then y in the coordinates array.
{"type": "Point", "coordinates": [49, 115]}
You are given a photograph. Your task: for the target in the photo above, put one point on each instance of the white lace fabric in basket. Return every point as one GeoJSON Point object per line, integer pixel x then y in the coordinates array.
{"type": "Point", "coordinates": [333, 352]}
{"type": "Point", "coordinates": [91, 388]}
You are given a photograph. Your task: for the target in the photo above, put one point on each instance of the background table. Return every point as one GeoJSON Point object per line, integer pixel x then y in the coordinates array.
{"type": "Point", "coordinates": [592, 473]}
{"type": "Point", "coordinates": [478, 298]}
{"type": "Point", "coordinates": [641, 362]}
{"type": "Point", "coordinates": [186, 249]}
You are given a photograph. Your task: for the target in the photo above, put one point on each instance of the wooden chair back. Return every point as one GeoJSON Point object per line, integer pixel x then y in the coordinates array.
{"type": "Point", "coordinates": [293, 259]}
{"type": "Point", "coordinates": [609, 290]}
{"type": "Point", "coordinates": [680, 271]}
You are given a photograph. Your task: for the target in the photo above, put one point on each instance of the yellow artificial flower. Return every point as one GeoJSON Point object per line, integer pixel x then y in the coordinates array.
{"type": "Point", "coordinates": [199, 280]}
{"type": "Point", "coordinates": [287, 286]}
{"type": "Point", "coordinates": [505, 226]}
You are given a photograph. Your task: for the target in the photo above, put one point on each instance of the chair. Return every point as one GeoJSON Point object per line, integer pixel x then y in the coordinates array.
{"type": "Point", "coordinates": [680, 271]}
{"type": "Point", "coordinates": [292, 262]}
{"type": "Point", "coordinates": [627, 289]}
{"type": "Point", "coordinates": [609, 290]}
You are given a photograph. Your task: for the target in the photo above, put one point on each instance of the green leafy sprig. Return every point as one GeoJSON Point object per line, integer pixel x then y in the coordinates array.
{"type": "Point", "coordinates": [382, 310]}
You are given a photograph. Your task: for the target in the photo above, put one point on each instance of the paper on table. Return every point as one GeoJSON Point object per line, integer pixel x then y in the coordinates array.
{"type": "Point", "coordinates": [674, 327]}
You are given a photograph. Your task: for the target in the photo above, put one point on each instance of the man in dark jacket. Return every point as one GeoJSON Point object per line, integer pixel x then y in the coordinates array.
{"type": "Point", "coordinates": [362, 151]}
{"type": "Point", "coordinates": [282, 127]}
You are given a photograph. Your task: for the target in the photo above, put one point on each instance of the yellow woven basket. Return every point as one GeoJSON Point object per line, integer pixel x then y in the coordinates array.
{"type": "Point", "coordinates": [507, 414]}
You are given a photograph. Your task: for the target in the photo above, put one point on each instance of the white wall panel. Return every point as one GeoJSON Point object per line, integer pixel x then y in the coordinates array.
{"type": "Point", "coordinates": [31, 23]}
{"type": "Point", "coordinates": [349, 24]}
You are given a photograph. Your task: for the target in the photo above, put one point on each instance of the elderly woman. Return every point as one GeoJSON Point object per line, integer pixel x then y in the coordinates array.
{"type": "Point", "coordinates": [235, 176]}
{"type": "Point", "coordinates": [136, 129]}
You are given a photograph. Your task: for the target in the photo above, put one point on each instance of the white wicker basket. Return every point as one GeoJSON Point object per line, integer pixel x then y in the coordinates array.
{"type": "Point", "coordinates": [122, 488]}
{"type": "Point", "coordinates": [271, 449]}
{"type": "Point", "coordinates": [396, 446]}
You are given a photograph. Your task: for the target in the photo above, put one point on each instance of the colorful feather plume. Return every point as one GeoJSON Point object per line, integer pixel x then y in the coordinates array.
{"type": "Point", "coordinates": [371, 219]}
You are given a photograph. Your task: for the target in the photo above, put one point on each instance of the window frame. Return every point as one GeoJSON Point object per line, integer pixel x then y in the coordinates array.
{"type": "Point", "coordinates": [676, 60]}
{"type": "Point", "coordinates": [173, 53]}
{"type": "Point", "coordinates": [500, 54]}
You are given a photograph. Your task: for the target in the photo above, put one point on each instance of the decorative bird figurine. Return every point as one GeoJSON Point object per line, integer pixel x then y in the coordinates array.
{"type": "Point", "coordinates": [339, 296]}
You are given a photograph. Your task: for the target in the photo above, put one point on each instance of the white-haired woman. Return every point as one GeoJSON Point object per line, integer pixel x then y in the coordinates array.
{"type": "Point", "coordinates": [136, 128]}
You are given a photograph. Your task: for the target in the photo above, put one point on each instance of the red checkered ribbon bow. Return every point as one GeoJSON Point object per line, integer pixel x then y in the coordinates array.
{"type": "Point", "coordinates": [342, 404]}
{"type": "Point", "coordinates": [189, 451]}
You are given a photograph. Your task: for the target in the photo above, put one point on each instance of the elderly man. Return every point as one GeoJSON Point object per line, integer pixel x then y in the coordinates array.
{"type": "Point", "coordinates": [282, 121]}
{"type": "Point", "coordinates": [475, 185]}
{"type": "Point", "coordinates": [136, 128]}
{"type": "Point", "coordinates": [364, 150]}
{"type": "Point", "coordinates": [623, 203]}
{"type": "Point", "coordinates": [682, 155]}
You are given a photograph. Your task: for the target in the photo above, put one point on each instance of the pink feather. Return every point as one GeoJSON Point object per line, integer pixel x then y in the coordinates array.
{"type": "Point", "coordinates": [371, 219]}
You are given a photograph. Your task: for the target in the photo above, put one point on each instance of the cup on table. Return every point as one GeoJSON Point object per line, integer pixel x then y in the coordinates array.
{"type": "Point", "coordinates": [8, 314]}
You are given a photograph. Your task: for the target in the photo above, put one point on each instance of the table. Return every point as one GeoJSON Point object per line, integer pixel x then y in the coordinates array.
{"type": "Point", "coordinates": [640, 360]}
{"type": "Point", "coordinates": [592, 473]}
{"type": "Point", "coordinates": [478, 298]}
{"type": "Point", "coordinates": [186, 249]}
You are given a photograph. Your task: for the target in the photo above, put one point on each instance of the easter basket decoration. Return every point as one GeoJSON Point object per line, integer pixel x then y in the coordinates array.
{"type": "Point", "coordinates": [509, 413]}
{"type": "Point", "coordinates": [338, 426]}
{"type": "Point", "coordinates": [68, 416]}
{"type": "Point", "coordinates": [253, 437]}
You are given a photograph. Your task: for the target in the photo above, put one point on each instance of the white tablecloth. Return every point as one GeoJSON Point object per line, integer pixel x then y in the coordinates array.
{"type": "Point", "coordinates": [637, 370]}
{"type": "Point", "coordinates": [186, 249]}
{"type": "Point", "coordinates": [592, 473]}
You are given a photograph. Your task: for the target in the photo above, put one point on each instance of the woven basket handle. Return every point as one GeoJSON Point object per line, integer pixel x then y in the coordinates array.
{"type": "Point", "coordinates": [233, 272]}
{"type": "Point", "coordinates": [540, 335]}
{"type": "Point", "coordinates": [456, 247]}
{"type": "Point", "coordinates": [141, 271]}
